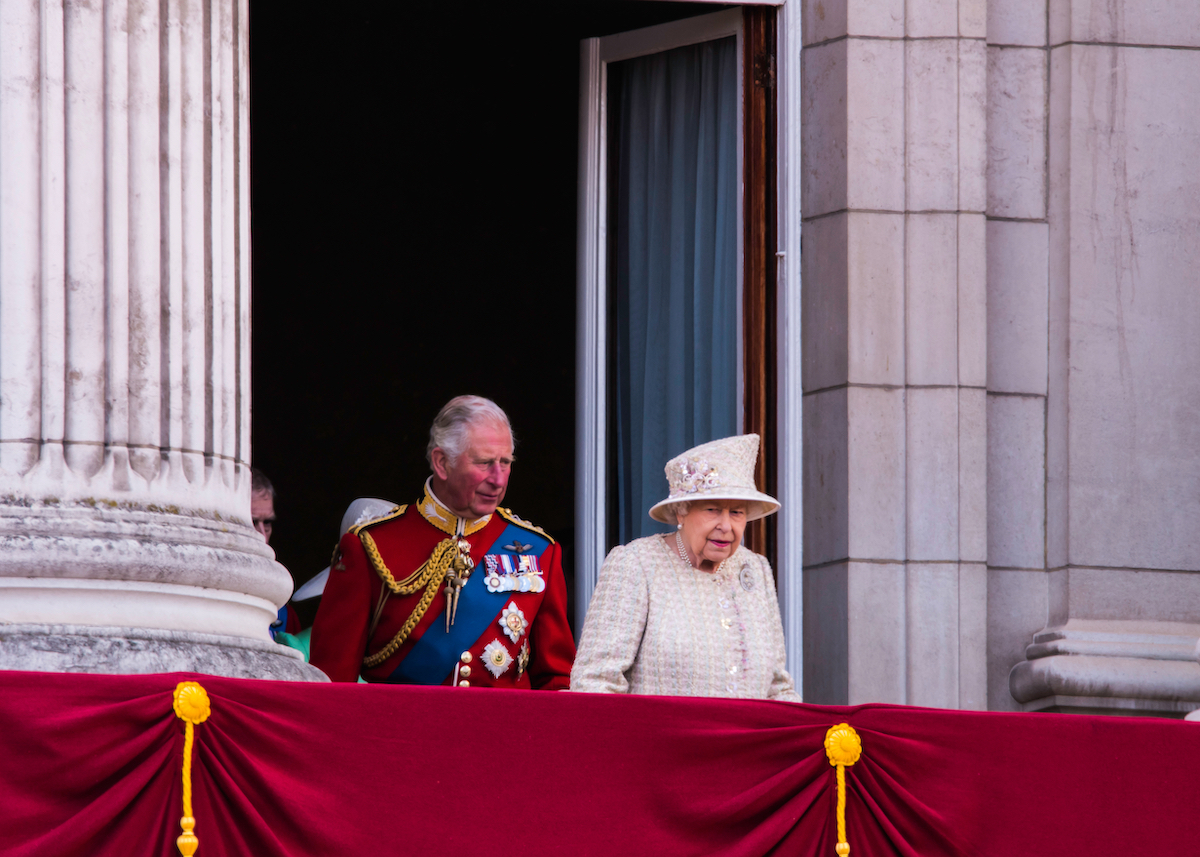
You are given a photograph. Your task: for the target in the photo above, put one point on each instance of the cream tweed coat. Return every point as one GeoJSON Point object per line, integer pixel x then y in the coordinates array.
{"type": "Point", "coordinates": [658, 626]}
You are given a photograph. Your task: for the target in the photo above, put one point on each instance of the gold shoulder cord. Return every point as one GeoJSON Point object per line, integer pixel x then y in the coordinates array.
{"type": "Point", "coordinates": [358, 529]}
{"type": "Point", "coordinates": [396, 512]}
{"type": "Point", "coordinates": [511, 516]}
{"type": "Point", "coordinates": [430, 575]}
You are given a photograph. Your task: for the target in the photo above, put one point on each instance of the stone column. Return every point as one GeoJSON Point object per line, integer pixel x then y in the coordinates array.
{"type": "Point", "coordinates": [1110, 622]}
{"type": "Point", "coordinates": [894, 345]}
{"type": "Point", "coordinates": [1018, 243]}
{"type": "Point", "coordinates": [125, 543]}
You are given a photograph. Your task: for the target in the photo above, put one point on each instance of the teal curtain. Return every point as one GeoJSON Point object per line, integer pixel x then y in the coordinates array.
{"type": "Point", "coordinates": [673, 266]}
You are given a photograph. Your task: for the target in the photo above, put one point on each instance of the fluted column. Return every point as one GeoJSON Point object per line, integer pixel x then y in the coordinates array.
{"type": "Point", "coordinates": [125, 541]}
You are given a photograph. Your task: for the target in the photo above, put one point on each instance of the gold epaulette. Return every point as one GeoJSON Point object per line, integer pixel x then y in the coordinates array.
{"type": "Point", "coordinates": [512, 518]}
{"type": "Point", "coordinates": [396, 512]}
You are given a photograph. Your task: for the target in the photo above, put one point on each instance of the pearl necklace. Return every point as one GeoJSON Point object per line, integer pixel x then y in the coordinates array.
{"type": "Point", "coordinates": [686, 561]}
{"type": "Point", "coordinates": [682, 551]}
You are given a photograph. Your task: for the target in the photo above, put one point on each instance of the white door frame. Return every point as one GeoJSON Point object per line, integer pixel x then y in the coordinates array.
{"type": "Point", "coordinates": [591, 442]}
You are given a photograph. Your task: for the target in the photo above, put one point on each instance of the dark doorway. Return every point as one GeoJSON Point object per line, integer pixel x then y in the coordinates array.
{"type": "Point", "coordinates": [414, 202]}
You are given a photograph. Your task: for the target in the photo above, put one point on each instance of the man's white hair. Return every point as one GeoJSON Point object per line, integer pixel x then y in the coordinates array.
{"type": "Point", "coordinates": [454, 420]}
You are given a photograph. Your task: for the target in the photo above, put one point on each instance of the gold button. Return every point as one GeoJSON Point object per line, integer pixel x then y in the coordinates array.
{"type": "Point", "coordinates": [464, 684]}
{"type": "Point", "coordinates": [465, 657]}
{"type": "Point", "coordinates": [464, 671]}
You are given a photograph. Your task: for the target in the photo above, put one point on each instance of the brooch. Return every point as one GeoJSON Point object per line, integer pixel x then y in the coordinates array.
{"type": "Point", "coordinates": [747, 578]}
{"type": "Point", "coordinates": [496, 658]}
{"type": "Point", "coordinates": [692, 476]}
{"type": "Point", "coordinates": [513, 621]}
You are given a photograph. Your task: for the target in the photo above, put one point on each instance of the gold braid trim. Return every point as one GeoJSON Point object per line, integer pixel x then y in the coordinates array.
{"type": "Point", "coordinates": [418, 578]}
{"type": "Point", "coordinates": [360, 530]}
{"type": "Point", "coordinates": [430, 575]}
{"type": "Point", "coordinates": [511, 516]}
{"type": "Point", "coordinates": [396, 512]}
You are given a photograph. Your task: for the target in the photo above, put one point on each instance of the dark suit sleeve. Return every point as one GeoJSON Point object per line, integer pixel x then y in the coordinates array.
{"type": "Point", "coordinates": [339, 634]}
{"type": "Point", "coordinates": [552, 648]}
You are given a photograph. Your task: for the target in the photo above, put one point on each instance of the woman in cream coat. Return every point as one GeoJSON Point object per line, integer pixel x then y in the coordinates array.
{"type": "Point", "coordinates": [691, 613]}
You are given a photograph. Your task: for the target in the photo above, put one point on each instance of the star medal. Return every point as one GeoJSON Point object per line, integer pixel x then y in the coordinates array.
{"type": "Point", "coordinates": [513, 622]}
{"type": "Point", "coordinates": [496, 658]}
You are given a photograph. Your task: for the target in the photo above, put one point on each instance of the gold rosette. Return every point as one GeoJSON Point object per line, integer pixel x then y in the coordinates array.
{"type": "Point", "coordinates": [192, 707]}
{"type": "Point", "coordinates": [843, 747]}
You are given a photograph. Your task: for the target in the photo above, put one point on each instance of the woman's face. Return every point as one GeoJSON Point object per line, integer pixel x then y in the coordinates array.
{"type": "Point", "coordinates": [712, 529]}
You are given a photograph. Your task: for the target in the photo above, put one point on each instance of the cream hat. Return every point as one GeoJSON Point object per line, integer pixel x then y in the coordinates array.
{"type": "Point", "coordinates": [718, 470]}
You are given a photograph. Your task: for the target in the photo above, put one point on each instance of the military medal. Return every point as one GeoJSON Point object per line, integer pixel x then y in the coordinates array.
{"type": "Point", "coordinates": [513, 622]}
{"type": "Point", "coordinates": [507, 573]}
{"type": "Point", "coordinates": [523, 659]}
{"type": "Point", "coordinates": [456, 578]}
{"type": "Point", "coordinates": [496, 658]}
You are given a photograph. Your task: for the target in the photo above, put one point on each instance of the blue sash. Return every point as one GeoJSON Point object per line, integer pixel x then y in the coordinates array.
{"type": "Point", "coordinates": [434, 655]}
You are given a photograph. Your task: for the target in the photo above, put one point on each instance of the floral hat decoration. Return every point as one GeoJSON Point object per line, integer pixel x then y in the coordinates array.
{"type": "Point", "coordinates": [718, 470]}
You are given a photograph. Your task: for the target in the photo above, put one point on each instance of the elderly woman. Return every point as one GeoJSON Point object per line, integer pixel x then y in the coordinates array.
{"type": "Point", "coordinates": [691, 613]}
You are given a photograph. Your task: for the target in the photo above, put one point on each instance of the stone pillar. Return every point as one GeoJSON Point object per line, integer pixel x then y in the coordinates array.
{"type": "Point", "coordinates": [1110, 621]}
{"type": "Point", "coordinates": [1018, 320]}
{"type": "Point", "coordinates": [125, 543]}
{"type": "Point", "coordinates": [894, 349]}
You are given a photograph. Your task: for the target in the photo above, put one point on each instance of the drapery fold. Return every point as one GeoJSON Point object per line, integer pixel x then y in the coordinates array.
{"type": "Point", "coordinates": [92, 766]}
{"type": "Point", "coordinates": [675, 267]}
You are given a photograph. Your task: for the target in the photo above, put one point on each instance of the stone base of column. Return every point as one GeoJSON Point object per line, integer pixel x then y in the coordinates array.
{"type": "Point", "coordinates": [1111, 667]}
{"type": "Point", "coordinates": [125, 651]}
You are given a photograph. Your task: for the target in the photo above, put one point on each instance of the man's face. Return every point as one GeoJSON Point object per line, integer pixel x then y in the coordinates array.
{"type": "Point", "coordinates": [474, 485]}
{"type": "Point", "coordinates": [262, 513]}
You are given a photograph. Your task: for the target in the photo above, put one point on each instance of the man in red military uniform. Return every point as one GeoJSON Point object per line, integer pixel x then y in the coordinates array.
{"type": "Point", "coordinates": [452, 590]}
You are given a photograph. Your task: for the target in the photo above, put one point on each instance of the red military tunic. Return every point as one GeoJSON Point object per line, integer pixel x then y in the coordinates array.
{"type": "Point", "coordinates": [510, 626]}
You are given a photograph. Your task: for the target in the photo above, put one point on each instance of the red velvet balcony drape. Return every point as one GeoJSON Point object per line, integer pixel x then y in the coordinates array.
{"type": "Point", "coordinates": [91, 765]}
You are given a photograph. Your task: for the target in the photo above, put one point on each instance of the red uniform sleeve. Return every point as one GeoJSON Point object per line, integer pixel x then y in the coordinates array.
{"type": "Point", "coordinates": [552, 648]}
{"type": "Point", "coordinates": [339, 634]}
{"type": "Point", "coordinates": [292, 625]}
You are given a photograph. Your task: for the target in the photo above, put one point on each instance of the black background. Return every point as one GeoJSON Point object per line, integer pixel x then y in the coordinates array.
{"type": "Point", "coordinates": [414, 174]}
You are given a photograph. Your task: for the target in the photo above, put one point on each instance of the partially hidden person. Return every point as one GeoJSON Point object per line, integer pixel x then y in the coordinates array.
{"type": "Point", "coordinates": [262, 516]}
{"type": "Point", "coordinates": [453, 589]}
{"type": "Point", "coordinates": [692, 612]}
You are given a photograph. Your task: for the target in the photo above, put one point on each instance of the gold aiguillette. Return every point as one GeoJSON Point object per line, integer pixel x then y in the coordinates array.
{"type": "Point", "coordinates": [456, 578]}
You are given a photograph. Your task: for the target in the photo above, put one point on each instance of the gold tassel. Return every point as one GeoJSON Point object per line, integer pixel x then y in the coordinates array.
{"type": "Point", "coordinates": [843, 747]}
{"type": "Point", "coordinates": [191, 706]}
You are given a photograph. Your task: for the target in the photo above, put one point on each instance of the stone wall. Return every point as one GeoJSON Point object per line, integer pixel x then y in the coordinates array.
{"type": "Point", "coordinates": [1001, 212]}
{"type": "Point", "coordinates": [1094, 132]}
